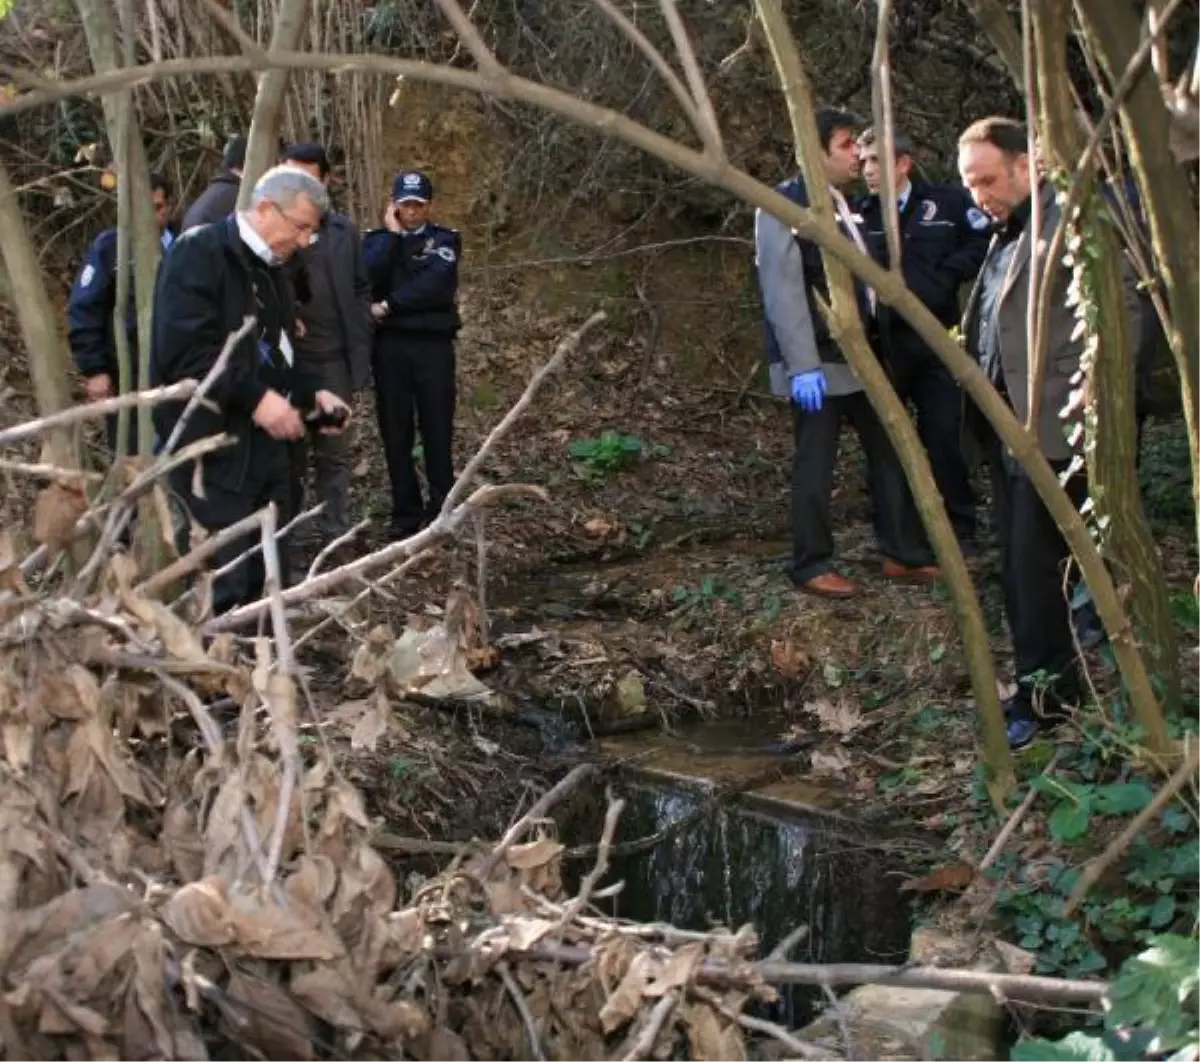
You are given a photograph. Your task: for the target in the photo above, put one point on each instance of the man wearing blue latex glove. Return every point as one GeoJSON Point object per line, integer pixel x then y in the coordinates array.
{"type": "Point", "coordinates": [807, 365]}
{"type": "Point", "coordinates": [808, 390]}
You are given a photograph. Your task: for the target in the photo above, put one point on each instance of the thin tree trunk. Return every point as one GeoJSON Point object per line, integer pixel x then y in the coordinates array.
{"type": "Point", "coordinates": [143, 241]}
{"type": "Point", "coordinates": [1111, 430]}
{"type": "Point", "coordinates": [848, 330]}
{"type": "Point", "coordinates": [49, 358]}
{"type": "Point", "coordinates": [1113, 27]}
{"type": "Point", "coordinates": [262, 147]}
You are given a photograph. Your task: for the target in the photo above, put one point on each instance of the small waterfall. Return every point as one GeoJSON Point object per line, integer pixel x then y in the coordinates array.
{"type": "Point", "coordinates": [732, 866]}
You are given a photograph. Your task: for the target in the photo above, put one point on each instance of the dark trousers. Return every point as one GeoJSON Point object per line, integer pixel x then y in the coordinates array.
{"type": "Point", "coordinates": [898, 528]}
{"type": "Point", "coordinates": [1033, 558]}
{"type": "Point", "coordinates": [110, 433]}
{"type": "Point", "coordinates": [331, 454]}
{"type": "Point", "coordinates": [919, 377]}
{"type": "Point", "coordinates": [415, 373]}
{"type": "Point", "coordinates": [227, 501]}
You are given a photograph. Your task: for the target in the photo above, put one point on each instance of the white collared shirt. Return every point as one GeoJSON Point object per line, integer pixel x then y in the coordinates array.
{"type": "Point", "coordinates": [902, 198]}
{"type": "Point", "coordinates": [254, 241]}
{"type": "Point", "coordinates": [258, 245]}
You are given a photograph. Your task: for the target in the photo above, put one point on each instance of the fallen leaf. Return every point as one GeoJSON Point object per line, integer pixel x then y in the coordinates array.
{"type": "Point", "coordinates": [270, 1021]}
{"type": "Point", "coordinates": [199, 914]}
{"type": "Point", "coordinates": [524, 933]}
{"type": "Point", "coordinates": [1016, 960]}
{"type": "Point", "coordinates": [831, 764]}
{"type": "Point", "coordinates": [598, 527]}
{"type": "Point", "coordinates": [323, 991]}
{"type": "Point", "coordinates": [267, 930]}
{"type": "Point", "coordinates": [841, 718]}
{"type": "Point", "coordinates": [534, 854]}
{"type": "Point", "coordinates": [626, 999]}
{"type": "Point", "coordinates": [789, 659]}
{"type": "Point", "coordinates": [443, 1045]}
{"type": "Point", "coordinates": [629, 695]}
{"type": "Point", "coordinates": [57, 511]}
{"type": "Point", "coordinates": [953, 877]}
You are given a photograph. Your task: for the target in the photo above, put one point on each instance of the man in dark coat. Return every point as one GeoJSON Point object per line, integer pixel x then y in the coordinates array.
{"type": "Point", "coordinates": [943, 240]}
{"type": "Point", "coordinates": [995, 167]}
{"type": "Point", "coordinates": [219, 199]}
{"type": "Point", "coordinates": [90, 311]}
{"type": "Point", "coordinates": [211, 280]}
{"type": "Point", "coordinates": [333, 347]}
{"type": "Point", "coordinates": [413, 266]}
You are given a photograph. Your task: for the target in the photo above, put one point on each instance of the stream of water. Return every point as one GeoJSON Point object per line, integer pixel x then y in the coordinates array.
{"type": "Point", "coordinates": [775, 870]}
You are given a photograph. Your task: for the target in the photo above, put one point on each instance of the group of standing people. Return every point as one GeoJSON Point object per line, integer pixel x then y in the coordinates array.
{"type": "Point", "coordinates": [976, 233]}
{"type": "Point", "coordinates": [331, 309]}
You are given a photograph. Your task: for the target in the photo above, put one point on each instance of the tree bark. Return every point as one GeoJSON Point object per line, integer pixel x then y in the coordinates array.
{"type": "Point", "coordinates": [1110, 425]}
{"type": "Point", "coordinates": [993, 19]}
{"type": "Point", "coordinates": [49, 359]}
{"type": "Point", "coordinates": [142, 242]}
{"type": "Point", "coordinates": [263, 145]}
{"type": "Point", "coordinates": [848, 330]}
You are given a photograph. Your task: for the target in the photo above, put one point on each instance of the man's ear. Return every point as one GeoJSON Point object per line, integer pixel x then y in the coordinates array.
{"type": "Point", "coordinates": [904, 165]}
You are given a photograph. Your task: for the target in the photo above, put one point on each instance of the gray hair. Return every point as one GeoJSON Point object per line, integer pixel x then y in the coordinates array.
{"type": "Point", "coordinates": [283, 185]}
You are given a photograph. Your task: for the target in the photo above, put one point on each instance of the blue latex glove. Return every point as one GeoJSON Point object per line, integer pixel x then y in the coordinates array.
{"type": "Point", "coordinates": [808, 390]}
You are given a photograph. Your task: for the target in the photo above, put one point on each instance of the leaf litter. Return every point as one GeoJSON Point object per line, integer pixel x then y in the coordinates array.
{"type": "Point", "coordinates": [142, 916]}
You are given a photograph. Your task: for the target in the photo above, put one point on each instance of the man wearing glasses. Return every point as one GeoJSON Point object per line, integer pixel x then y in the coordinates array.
{"type": "Point", "coordinates": [210, 281]}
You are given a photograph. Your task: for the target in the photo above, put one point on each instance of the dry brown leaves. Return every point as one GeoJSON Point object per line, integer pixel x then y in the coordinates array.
{"type": "Point", "coordinates": [135, 921]}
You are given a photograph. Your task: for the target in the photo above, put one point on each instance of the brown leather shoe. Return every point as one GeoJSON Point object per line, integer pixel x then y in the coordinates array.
{"type": "Point", "coordinates": [929, 573]}
{"type": "Point", "coordinates": [829, 584]}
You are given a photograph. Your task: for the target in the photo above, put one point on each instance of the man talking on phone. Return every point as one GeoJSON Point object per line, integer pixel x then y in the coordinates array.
{"type": "Point", "coordinates": [413, 267]}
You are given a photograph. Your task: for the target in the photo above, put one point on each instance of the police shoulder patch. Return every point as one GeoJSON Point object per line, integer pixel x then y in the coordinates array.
{"type": "Point", "coordinates": [446, 254]}
{"type": "Point", "coordinates": [977, 219]}
{"type": "Point", "coordinates": [87, 276]}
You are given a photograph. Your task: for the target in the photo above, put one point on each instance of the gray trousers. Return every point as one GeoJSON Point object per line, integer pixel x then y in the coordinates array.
{"type": "Point", "coordinates": [331, 454]}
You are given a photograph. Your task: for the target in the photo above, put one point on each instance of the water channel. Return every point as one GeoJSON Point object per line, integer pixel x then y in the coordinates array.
{"type": "Point", "coordinates": [776, 857]}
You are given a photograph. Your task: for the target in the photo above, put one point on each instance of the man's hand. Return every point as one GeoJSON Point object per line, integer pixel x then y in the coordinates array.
{"type": "Point", "coordinates": [329, 404]}
{"type": "Point", "coordinates": [379, 310]}
{"type": "Point", "coordinates": [99, 386]}
{"type": "Point", "coordinates": [278, 417]}
{"type": "Point", "coordinates": [391, 219]}
{"type": "Point", "coordinates": [301, 329]}
{"type": "Point", "coordinates": [808, 390]}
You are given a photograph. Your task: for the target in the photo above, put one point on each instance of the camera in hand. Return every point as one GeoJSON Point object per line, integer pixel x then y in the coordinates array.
{"type": "Point", "coordinates": [333, 418]}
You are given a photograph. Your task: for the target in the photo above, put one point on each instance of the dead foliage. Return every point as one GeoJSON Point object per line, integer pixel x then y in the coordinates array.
{"type": "Point", "coordinates": [163, 897]}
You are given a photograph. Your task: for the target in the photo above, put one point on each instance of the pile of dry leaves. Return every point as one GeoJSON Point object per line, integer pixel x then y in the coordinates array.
{"type": "Point", "coordinates": [171, 887]}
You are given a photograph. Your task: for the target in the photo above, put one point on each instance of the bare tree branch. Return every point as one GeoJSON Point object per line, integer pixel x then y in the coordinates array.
{"type": "Point", "coordinates": [885, 135]}
{"type": "Point", "coordinates": [660, 64]}
{"type": "Point", "coordinates": [710, 129]}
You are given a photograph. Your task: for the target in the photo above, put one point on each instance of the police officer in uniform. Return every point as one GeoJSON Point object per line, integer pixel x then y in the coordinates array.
{"type": "Point", "coordinates": [413, 267]}
{"type": "Point", "coordinates": [943, 241]}
{"type": "Point", "coordinates": [807, 365]}
{"type": "Point", "coordinates": [90, 310]}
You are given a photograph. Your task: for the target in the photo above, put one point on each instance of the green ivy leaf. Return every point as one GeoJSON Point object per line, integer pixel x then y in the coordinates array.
{"type": "Point", "coordinates": [1122, 798]}
{"type": "Point", "coordinates": [1074, 1047]}
{"type": "Point", "coordinates": [1187, 859]}
{"type": "Point", "coordinates": [1069, 822]}
{"type": "Point", "coordinates": [1152, 988]}
{"type": "Point", "coordinates": [1162, 913]}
